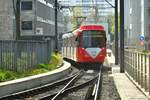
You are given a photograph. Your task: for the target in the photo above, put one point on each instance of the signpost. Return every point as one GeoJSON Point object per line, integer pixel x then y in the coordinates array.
{"type": "Point", "coordinates": [141, 38]}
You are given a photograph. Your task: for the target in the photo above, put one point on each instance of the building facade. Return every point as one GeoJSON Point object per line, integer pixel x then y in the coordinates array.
{"type": "Point", "coordinates": [6, 19]}
{"type": "Point", "coordinates": [104, 8]}
{"type": "Point", "coordinates": [36, 18]}
{"type": "Point", "coordinates": [137, 23]}
{"type": "Point", "coordinates": [91, 3]}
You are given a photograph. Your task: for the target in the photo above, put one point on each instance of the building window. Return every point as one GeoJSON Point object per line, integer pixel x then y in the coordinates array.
{"type": "Point", "coordinates": [131, 26]}
{"type": "Point", "coordinates": [130, 11]}
{"type": "Point", "coordinates": [26, 25]}
{"type": "Point", "coordinates": [149, 11]}
{"type": "Point", "coordinates": [26, 5]}
{"type": "Point", "coordinates": [149, 29]}
{"type": "Point", "coordinates": [109, 0]}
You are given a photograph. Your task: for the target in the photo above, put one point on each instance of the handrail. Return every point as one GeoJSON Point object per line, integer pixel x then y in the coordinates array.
{"type": "Point", "coordinates": [137, 65]}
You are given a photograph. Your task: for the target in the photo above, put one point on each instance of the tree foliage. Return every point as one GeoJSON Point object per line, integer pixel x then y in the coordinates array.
{"type": "Point", "coordinates": [111, 21]}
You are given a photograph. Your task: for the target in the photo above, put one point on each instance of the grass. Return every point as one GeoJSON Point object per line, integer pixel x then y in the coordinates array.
{"type": "Point", "coordinates": [7, 75]}
{"type": "Point", "coordinates": [53, 64]}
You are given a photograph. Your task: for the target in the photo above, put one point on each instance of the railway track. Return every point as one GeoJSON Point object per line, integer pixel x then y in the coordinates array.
{"type": "Point", "coordinates": [86, 88]}
{"type": "Point", "coordinates": [83, 85]}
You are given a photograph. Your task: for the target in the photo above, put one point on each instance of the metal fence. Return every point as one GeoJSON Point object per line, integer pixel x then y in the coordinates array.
{"type": "Point", "coordinates": [23, 55]}
{"type": "Point", "coordinates": [137, 65]}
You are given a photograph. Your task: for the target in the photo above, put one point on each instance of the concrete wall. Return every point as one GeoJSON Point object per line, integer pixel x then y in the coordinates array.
{"type": "Point", "coordinates": [136, 22]}
{"type": "Point", "coordinates": [28, 15]}
{"type": "Point", "coordinates": [11, 87]}
{"type": "Point", "coordinates": [127, 21]}
{"type": "Point", "coordinates": [41, 15]}
{"type": "Point", "coordinates": [6, 19]}
{"type": "Point", "coordinates": [147, 23]}
{"type": "Point", "coordinates": [147, 17]}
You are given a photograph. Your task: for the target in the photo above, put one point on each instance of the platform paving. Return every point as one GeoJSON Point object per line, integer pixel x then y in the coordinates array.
{"type": "Point", "coordinates": [125, 87]}
{"type": "Point", "coordinates": [127, 90]}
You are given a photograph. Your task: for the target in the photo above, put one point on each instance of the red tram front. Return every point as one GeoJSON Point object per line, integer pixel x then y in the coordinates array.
{"type": "Point", "coordinates": [86, 45]}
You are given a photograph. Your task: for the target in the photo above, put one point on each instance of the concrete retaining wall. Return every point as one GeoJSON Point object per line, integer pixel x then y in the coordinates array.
{"type": "Point", "coordinates": [14, 86]}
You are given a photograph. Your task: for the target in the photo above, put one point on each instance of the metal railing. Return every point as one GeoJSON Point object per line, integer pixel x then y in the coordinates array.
{"type": "Point", "coordinates": [23, 55]}
{"type": "Point", "coordinates": [137, 65]}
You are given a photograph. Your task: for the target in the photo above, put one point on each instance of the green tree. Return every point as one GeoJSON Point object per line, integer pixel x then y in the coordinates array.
{"type": "Point", "coordinates": [111, 21]}
{"type": "Point", "coordinates": [76, 18]}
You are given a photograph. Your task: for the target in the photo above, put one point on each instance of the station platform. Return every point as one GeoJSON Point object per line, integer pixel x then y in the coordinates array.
{"type": "Point", "coordinates": [125, 87]}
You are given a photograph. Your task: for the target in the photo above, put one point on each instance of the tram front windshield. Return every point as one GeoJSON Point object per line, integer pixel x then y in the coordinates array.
{"type": "Point", "coordinates": [94, 38]}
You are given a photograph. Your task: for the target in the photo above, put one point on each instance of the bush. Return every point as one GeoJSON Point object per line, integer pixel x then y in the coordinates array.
{"type": "Point", "coordinates": [56, 60]}
{"type": "Point", "coordinates": [2, 76]}
{"type": "Point", "coordinates": [47, 66]}
{"type": "Point", "coordinates": [42, 66]}
{"type": "Point", "coordinates": [38, 71]}
{"type": "Point", "coordinates": [7, 75]}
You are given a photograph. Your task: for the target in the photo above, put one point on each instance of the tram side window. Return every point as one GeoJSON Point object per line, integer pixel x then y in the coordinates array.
{"type": "Point", "coordinates": [149, 29]}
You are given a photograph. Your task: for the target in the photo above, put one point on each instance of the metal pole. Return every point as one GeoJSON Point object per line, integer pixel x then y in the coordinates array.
{"type": "Point", "coordinates": [116, 32]}
{"type": "Point", "coordinates": [122, 36]}
{"type": "Point", "coordinates": [56, 33]}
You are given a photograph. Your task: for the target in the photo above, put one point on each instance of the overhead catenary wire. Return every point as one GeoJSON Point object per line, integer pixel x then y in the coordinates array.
{"type": "Point", "coordinates": [110, 4]}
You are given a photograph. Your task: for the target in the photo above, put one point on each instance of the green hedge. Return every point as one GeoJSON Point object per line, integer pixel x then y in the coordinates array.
{"type": "Point", "coordinates": [55, 61]}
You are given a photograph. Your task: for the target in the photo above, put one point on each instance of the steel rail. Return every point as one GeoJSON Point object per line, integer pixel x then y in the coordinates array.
{"type": "Point", "coordinates": [70, 83]}
{"type": "Point", "coordinates": [98, 86]}
{"type": "Point", "coordinates": [71, 89]}
{"type": "Point", "coordinates": [34, 90]}
{"type": "Point", "coordinates": [80, 86]}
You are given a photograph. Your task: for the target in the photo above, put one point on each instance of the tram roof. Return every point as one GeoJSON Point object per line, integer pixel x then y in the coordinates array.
{"type": "Point", "coordinates": [82, 28]}
{"type": "Point", "coordinates": [92, 27]}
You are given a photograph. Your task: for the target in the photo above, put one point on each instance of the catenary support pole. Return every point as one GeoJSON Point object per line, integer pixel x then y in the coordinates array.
{"type": "Point", "coordinates": [122, 36]}
{"type": "Point", "coordinates": [116, 32]}
{"type": "Point", "coordinates": [56, 26]}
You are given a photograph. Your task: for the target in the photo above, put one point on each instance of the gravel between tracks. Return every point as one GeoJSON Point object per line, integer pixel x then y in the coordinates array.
{"type": "Point", "coordinates": [109, 91]}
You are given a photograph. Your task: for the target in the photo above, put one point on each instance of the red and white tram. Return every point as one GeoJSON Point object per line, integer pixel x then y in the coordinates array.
{"type": "Point", "coordinates": [86, 45]}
